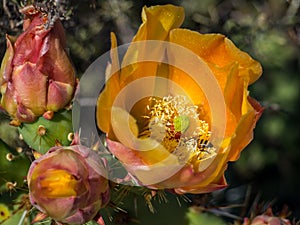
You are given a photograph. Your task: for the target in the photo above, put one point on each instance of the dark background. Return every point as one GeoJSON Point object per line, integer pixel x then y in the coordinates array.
{"type": "Point", "coordinates": [269, 30]}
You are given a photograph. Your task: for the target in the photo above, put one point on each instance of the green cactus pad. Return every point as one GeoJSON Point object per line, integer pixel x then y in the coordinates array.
{"type": "Point", "coordinates": [44, 134]}
{"type": "Point", "coordinates": [13, 168]}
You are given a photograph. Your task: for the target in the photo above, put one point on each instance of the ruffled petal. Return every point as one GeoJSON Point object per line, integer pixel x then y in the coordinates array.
{"type": "Point", "coordinates": [6, 65]}
{"type": "Point", "coordinates": [149, 167]}
{"type": "Point", "coordinates": [34, 95]}
{"type": "Point", "coordinates": [8, 101]}
{"type": "Point", "coordinates": [58, 95]}
{"type": "Point", "coordinates": [218, 52]}
{"type": "Point", "coordinates": [126, 131]}
{"type": "Point", "coordinates": [157, 23]}
{"type": "Point", "coordinates": [188, 181]}
{"type": "Point", "coordinates": [111, 90]}
{"type": "Point", "coordinates": [53, 59]}
{"type": "Point", "coordinates": [244, 131]}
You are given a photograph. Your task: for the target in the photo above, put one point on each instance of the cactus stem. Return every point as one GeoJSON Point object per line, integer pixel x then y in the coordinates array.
{"type": "Point", "coordinates": [41, 130]}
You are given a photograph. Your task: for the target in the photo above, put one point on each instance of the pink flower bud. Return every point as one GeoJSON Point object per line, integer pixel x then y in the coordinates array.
{"type": "Point", "coordinates": [267, 220]}
{"type": "Point", "coordinates": [68, 184]}
{"type": "Point", "coordinates": [36, 74]}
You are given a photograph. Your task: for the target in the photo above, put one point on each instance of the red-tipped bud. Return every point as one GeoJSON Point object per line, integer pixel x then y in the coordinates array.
{"type": "Point", "coordinates": [36, 74]}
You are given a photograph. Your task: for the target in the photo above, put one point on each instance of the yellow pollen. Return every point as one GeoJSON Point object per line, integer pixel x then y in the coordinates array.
{"type": "Point", "coordinates": [174, 122]}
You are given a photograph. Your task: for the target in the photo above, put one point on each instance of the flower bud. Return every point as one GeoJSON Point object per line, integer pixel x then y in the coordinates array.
{"type": "Point", "coordinates": [36, 75]}
{"type": "Point", "coordinates": [268, 220]}
{"type": "Point", "coordinates": [68, 184]}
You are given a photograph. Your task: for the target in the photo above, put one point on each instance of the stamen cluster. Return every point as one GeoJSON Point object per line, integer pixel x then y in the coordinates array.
{"type": "Point", "coordinates": [174, 122]}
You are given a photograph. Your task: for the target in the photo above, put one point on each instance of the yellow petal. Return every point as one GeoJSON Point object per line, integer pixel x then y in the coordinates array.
{"type": "Point", "coordinates": [188, 84]}
{"type": "Point", "coordinates": [124, 126]}
{"type": "Point", "coordinates": [187, 180]}
{"type": "Point", "coordinates": [234, 92]}
{"type": "Point", "coordinates": [244, 130]}
{"type": "Point", "coordinates": [248, 66]}
{"type": "Point", "coordinates": [193, 42]}
{"type": "Point", "coordinates": [126, 131]}
{"type": "Point", "coordinates": [155, 169]}
{"type": "Point", "coordinates": [104, 104]}
{"type": "Point", "coordinates": [217, 51]}
{"type": "Point", "coordinates": [215, 169]}
{"type": "Point", "coordinates": [232, 68]}
{"type": "Point", "coordinates": [156, 172]}
{"type": "Point", "coordinates": [157, 23]}
{"type": "Point", "coordinates": [112, 88]}
{"type": "Point", "coordinates": [115, 66]}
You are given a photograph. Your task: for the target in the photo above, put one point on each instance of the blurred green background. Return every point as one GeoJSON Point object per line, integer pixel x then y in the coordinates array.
{"type": "Point", "coordinates": [269, 30]}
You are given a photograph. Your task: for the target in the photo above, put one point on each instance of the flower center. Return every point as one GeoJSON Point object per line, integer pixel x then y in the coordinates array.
{"type": "Point", "coordinates": [58, 183]}
{"type": "Point", "coordinates": [174, 122]}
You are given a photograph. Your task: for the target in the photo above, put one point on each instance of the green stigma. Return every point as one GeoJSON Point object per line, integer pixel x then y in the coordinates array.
{"type": "Point", "coordinates": [181, 123]}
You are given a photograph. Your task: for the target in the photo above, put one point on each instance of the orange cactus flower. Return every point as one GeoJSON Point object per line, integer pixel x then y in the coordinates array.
{"type": "Point", "coordinates": [161, 116]}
